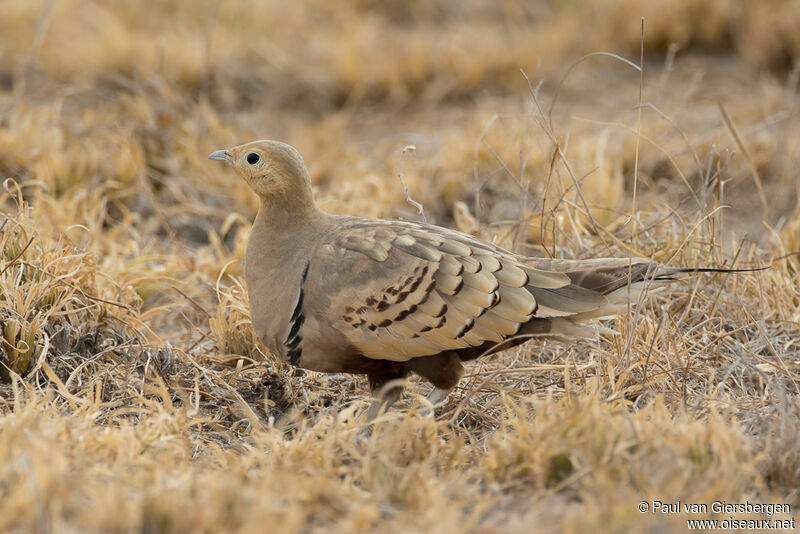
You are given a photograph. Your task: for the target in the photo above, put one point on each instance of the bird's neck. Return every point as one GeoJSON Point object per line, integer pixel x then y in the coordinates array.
{"type": "Point", "coordinates": [279, 244]}
{"type": "Point", "coordinates": [275, 217]}
{"type": "Point", "coordinates": [279, 225]}
{"type": "Point", "coordinates": [287, 209]}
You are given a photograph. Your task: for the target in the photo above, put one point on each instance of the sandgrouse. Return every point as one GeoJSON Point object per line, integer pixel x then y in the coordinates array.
{"type": "Point", "coordinates": [384, 298]}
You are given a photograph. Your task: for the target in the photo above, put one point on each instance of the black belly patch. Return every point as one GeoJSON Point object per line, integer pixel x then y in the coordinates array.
{"type": "Point", "coordinates": [293, 340]}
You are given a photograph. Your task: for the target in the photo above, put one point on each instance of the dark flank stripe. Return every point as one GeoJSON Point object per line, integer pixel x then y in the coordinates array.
{"type": "Point", "coordinates": [298, 308]}
{"type": "Point", "coordinates": [292, 343]}
{"type": "Point", "coordinates": [295, 328]}
{"type": "Point", "coordinates": [294, 355]}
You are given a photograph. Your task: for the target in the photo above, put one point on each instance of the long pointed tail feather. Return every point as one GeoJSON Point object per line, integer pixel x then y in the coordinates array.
{"type": "Point", "coordinates": [625, 282]}
{"type": "Point", "coordinates": [669, 273]}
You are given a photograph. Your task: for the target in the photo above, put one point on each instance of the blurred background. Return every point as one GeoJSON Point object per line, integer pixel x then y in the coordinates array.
{"type": "Point", "coordinates": [130, 97]}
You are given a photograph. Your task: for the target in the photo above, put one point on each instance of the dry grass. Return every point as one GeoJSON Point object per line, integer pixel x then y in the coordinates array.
{"type": "Point", "coordinates": [134, 396]}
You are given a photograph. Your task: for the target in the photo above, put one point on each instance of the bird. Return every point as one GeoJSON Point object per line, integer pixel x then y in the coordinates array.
{"type": "Point", "coordinates": [388, 298]}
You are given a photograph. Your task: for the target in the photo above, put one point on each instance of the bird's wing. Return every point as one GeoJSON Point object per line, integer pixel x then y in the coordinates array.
{"type": "Point", "coordinates": [398, 290]}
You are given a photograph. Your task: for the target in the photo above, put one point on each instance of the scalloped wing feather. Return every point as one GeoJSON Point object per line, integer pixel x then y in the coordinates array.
{"type": "Point", "coordinates": [423, 290]}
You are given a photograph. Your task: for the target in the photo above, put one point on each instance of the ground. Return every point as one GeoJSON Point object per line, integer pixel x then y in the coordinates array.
{"type": "Point", "coordinates": [133, 394]}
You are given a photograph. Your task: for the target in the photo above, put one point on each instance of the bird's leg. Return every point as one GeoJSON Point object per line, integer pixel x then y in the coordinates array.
{"type": "Point", "coordinates": [443, 371]}
{"type": "Point", "coordinates": [437, 396]}
{"type": "Point", "coordinates": [385, 392]}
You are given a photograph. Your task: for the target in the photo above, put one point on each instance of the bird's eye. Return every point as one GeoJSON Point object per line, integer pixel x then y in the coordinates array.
{"type": "Point", "coordinates": [252, 158]}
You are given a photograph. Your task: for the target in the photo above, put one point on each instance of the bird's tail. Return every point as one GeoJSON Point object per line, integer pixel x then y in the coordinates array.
{"type": "Point", "coordinates": [623, 281]}
{"type": "Point", "coordinates": [681, 273]}
{"type": "Point", "coordinates": [599, 289]}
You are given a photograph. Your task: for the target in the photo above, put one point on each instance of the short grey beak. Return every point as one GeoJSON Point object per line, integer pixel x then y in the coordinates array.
{"type": "Point", "coordinates": [220, 155]}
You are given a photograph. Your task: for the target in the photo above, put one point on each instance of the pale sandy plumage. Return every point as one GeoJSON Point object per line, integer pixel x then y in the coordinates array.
{"type": "Point", "coordinates": [385, 298]}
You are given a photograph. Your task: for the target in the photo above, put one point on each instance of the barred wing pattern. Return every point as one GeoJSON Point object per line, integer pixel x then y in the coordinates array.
{"type": "Point", "coordinates": [415, 290]}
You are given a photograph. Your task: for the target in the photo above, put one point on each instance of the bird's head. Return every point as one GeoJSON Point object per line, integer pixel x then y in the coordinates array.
{"type": "Point", "coordinates": [274, 170]}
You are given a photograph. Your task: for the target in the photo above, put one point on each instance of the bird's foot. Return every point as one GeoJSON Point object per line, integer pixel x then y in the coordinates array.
{"type": "Point", "coordinates": [436, 398]}
{"type": "Point", "coordinates": [388, 394]}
